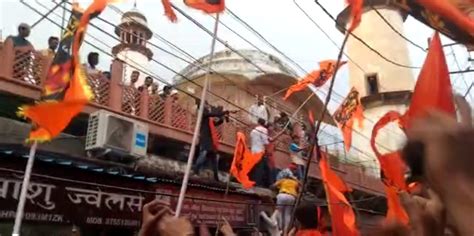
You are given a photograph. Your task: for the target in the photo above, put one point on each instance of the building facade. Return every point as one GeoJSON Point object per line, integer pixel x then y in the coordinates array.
{"type": "Point", "coordinates": [383, 86]}
{"type": "Point", "coordinates": [134, 34]}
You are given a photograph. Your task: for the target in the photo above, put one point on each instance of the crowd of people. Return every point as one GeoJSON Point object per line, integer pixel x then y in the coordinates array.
{"type": "Point", "coordinates": [91, 66]}
{"type": "Point", "coordinates": [263, 137]}
{"type": "Point", "coordinates": [442, 204]}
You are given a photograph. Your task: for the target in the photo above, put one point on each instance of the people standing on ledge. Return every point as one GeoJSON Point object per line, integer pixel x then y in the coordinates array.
{"type": "Point", "coordinates": [53, 43]}
{"type": "Point", "coordinates": [207, 144]}
{"type": "Point", "coordinates": [258, 111]}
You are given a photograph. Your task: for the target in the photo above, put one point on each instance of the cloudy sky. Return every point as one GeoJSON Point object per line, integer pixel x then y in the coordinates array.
{"type": "Point", "coordinates": [280, 21]}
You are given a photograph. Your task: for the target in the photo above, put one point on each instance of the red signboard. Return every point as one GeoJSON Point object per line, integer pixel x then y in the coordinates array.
{"type": "Point", "coordinates": [208, 207]}
{"type": "Point", "coordinates": [69, 195]}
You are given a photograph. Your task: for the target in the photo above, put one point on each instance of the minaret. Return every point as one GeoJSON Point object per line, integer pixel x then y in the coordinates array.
{"type": "Point", "coordinates": [132, 49]}
{"type": "Point", "coordinates": [382, 85]}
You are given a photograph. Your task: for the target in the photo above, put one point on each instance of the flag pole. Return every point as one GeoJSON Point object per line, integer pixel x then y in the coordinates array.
{"type": "Point", "coordinates": [24, 189]}
{"type": "Point", "coordinates": [197, 128]}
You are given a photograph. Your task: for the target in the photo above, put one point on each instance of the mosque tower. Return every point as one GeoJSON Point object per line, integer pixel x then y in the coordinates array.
{"type": "Point", "coordinates": [132, 49]}
{"type": "Point", "coordinates": [382, 85]}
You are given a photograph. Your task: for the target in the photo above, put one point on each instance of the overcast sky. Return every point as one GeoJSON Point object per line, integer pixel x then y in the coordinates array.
{"type": "Point", "coordinates": [280, 21]}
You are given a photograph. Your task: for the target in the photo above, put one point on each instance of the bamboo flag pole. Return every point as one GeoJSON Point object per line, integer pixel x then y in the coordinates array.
{"type": "Point", "coordinates": [226, 193]}
{"type": "Point", "coordinates": [314, 139]}
{"type": "Point", "coordinates": [197, 128]}
{"type": "Point", "coordinates": [24, 188]}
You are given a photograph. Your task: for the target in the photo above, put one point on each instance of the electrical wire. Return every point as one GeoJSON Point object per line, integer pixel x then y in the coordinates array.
{"type": "Point", "coordinates": [357, 149]}
{"type": "Point", "coordinates": [284, 55]}
{"type": "Point", "coordinates": [396, 31]}
{"type": "Point", "coordinates": [327, 36]}
{"type": "Point", "coordinates": [459, 68]}
{"type": "Point", "coordinates": [362, 41]}
{"type": "Point", "coordinates": [235, 16]}
{"type": "Point", "coordinates": [247, 59]}
{"type": "Point", "coordinates": [141, 70]}
{"type": "Point", "coordinates": [192, 63]}
{"type": "Point", "coordinates": [162, 80]}
{"type": "Point", "coordinates": [90, 44]}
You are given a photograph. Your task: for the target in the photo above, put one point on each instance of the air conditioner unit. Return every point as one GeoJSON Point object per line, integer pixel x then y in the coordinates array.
{"type": "Point", "coordinates": [109, 131]}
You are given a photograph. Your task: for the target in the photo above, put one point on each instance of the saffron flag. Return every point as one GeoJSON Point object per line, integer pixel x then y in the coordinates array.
{"type": "Point", "coordinates": [317, 78]}
{"type": "Point", "coordinates": [207, 6]}
{"type": "Point", "coordinates": [350, 110]}
{"type": "Point", "coordinates": [448, 11]}
{"type": "Point", "coordinates": [356, 13]}
{"type": "Point", "coordinates": [396, 211]}
{"type": "Point", "coordinates": [433, 90]}
{"type": "Point", "coordinates": [451, 18]}
{"type": "Point", "coordinates": [303, 83]}
{"type": "Point", "coordinates": [214, 134]}
{"type": "Point", "coordinates": [169, 12]}
{"type": "Point", "coordinates": [342, 216]}
{"type": "Point", "coordinates": [65, 90]}
{"type": "Point", "coordinates": [243, 162]}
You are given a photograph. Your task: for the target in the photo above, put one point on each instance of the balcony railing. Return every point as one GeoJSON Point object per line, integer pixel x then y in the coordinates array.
{"type": "Point", "coordinates": [23, 70]}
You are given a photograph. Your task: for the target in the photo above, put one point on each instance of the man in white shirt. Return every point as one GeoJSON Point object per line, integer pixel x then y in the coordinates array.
{"type": "Point", "coordinates": [258, 140]}
{"type": "Point", "coordinates": [259, 137]}
{"type": "Point", "coordinates": [258, 111]}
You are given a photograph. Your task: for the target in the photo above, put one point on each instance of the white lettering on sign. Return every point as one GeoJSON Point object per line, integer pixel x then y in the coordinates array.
{"type": "Point", "coordinates": [112, 221]}
{"type": "Point", "coordinates": [35, 191]}
{"type": "Point", "coordinates": [95, 198]}
{"type": "Point", "coordinates": [34, 216]}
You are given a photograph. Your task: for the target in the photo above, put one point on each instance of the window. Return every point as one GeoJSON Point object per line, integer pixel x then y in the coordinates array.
{"type": "Point", "coordinates": [128, 39]}
{"type": "Point", "coordinates": [134, 37]}
{"type": "Point", "coordinates": [372, 83]}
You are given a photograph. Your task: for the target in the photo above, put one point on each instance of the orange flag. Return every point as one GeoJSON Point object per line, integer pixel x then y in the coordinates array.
{"type": "Point", "coordinates": [342, 216]}
{"type": "Point", "coordinates": [432, 91]}
{"type": "Point", "coordinates": [303, 83]}
{"type": "Point", "coordinates": [317, 78]}
{"type": "Point", "coordinates": [169, 12]}
{"type": "Point", "coordinates": [395, 211]}
{"type": "Point", "coordinates": [433, 88]}
{"type": "Point", "coordinates": [66, 90]}
{"type": "Point", "coordinates": [244, 161]}
{"type": "Point", "coordinates": [207, 6]}
{"type": "Point", "coordinates": [449, 11]}
{"type": "Point", "coordinates": [393, 168]}
{"type": "Point", "coordinates": [356, 13]}
{"type": "Point", "coordinates": [349, 111]}
{"type": "Point", "coordinates": [214, 133]}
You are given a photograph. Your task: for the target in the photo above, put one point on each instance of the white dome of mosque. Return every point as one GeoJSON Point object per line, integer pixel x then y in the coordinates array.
{"type": "Point", "coordinates": [230, 62]}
